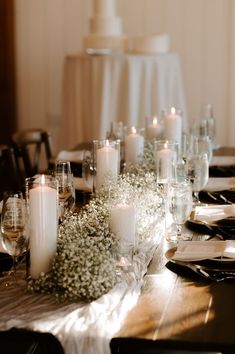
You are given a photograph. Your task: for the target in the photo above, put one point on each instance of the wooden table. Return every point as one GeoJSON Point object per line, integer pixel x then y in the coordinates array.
{"type": "Point", "coordinates": [180, 312]}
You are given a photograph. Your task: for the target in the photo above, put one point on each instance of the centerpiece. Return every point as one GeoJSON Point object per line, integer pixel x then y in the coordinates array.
{"type": "Point", "coordinates": [84, 266]}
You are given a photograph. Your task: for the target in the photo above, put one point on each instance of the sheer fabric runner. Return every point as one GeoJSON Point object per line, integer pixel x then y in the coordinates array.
{"type": "Point", "coordinates": [80, 327]}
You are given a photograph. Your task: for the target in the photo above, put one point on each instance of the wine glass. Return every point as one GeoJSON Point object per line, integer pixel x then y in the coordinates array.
{"type": "Point", "coordinates": [180, 206]}
{"type": "Point", "coordinates": [66, 188]}
{"type": "Point", "coordinates": [198, 173]}
{"type": "Point", "coordinates": [13, 226]}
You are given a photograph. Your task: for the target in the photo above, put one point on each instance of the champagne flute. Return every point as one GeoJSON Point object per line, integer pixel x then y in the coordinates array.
{"type": "Point", "coordinates": [181, 206]}
{"type": "Point", "coordinates": [198, 173]}
{"type": "Point", "coordinates": [13, 226]}
{"type": "Point", "coordinates": [66, 188]}
{"type": "Point", "coordinates": [208, 123]}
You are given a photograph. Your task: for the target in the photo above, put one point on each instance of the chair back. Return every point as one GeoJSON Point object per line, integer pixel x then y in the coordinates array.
{"type": "Point", "coordinates": [33, 150]}
{"type": "Point", "coordinates": [10, 178]}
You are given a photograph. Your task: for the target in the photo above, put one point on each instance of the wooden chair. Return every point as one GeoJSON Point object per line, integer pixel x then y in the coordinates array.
{"type": "Point", "coordinates": [10, 178]}
{"type": "Point", "coordinates": [33, 150]}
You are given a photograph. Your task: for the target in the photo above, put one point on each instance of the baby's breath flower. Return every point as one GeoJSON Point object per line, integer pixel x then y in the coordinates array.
{"type": "Point", "coordinates": [84, 267]}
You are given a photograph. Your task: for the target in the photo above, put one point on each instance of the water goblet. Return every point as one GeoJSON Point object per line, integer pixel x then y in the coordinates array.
{"type": "Point", "coordinates": [198, 173]}
{"type": "Point", "coordinates": [180, 206]}
{"type": "Point", "coordinates": [66, 188]}
{"type": "Point", "coordinates": [13, 227]}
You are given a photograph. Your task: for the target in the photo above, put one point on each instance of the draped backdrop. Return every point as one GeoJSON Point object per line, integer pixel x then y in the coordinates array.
{"type": "Point", "coordinates": [202, 32]}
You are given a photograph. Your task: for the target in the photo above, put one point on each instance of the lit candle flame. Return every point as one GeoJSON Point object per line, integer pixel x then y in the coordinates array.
{"type": "Point", "coordinates": [106, 142]}
{"type": "Point", "coordinates": [155, 120]}
{"type": "Point", "coordinates": [173, 110]}
{"type": "Point", "coordinates": [133, 130]}
{"type": "Point", "coordinates": [43, 179]}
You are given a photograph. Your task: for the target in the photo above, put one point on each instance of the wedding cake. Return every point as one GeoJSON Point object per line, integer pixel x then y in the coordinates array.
{"type": "Point", "coordinates": [151, 43]}
{"type": "Point", "coordinates": [105, 28]}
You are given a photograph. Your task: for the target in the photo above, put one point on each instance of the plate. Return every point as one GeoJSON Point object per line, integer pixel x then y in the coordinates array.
{"type": "Point", "coordinates": [224, 223]}
{"type": "Point", "coordinates": [170, 254]}
{"type": "Point", "coordinates": [220, 184]}
{"type": "Point", "coordinates": [222, 161]}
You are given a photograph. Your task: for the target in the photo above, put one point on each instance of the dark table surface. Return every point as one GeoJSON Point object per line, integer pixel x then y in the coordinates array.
{"type": "Point", "coordinates": [179, 310]}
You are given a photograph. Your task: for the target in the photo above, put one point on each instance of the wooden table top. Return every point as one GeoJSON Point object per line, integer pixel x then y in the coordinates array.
{"type": "Point", "coordinates": [180, 312]}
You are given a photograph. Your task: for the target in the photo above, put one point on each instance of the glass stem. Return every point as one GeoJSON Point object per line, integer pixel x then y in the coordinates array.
{"type": "Point", "coordinates": [179, 230]}
{"type": "Point", "coordinates": [14, 267]}
{"type": "Point", "coordinates": [196, 197]}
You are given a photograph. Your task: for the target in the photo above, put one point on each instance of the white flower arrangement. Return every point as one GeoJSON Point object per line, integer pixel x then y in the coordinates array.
{"type": "Point", "coordinates": [84, 267]}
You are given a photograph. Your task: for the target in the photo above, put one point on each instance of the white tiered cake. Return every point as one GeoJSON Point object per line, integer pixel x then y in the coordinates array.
{"type": "Point", "coordinates": [105, 28]}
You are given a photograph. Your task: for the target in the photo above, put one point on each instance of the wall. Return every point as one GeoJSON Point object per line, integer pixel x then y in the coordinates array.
{"type": "Point", "coordinates": [201, 31]}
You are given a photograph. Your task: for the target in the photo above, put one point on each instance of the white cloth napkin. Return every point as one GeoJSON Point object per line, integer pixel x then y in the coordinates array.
{"type": "Point", "coordinates": [213, 213]}
{"type": "Point", "coordinates": [198, 250]}
{"type": "Point", "coordinates": [2, 250]}
{"type": "Point", "coordinates": [222, 160]}
{"type": "Point", "coordinates": [216, 184]}
{"type": "Point", "coordinates": [76, 156]}
{"type": "Point", "coordinates": [82, 185]}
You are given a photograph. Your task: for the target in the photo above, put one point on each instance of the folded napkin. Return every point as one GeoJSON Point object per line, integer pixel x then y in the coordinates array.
{"type": "Point", "coordinates": [82, 185]}
{"type": "Point", "coordinates": [213, 213]}
{"type": "Point", "coordinates": [217, 184]}
{"type": "Point", "coordinates": [222, 161]}
{"type": "Point", "coordinates": [2, 250]}
{"type": "Point", "coordinates": [199, 250]}
{"type": "Point", "coordinates": [76, 156]}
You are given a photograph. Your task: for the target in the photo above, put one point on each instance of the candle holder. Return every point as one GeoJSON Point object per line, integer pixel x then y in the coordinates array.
{"type": "Point", "coordinates": [134, 145]}
{"type": "Point", "coordinates": [153, 128]}
{"type": "Point", "coordinates": [42, 205]}
{"type": "Point", "coordinates": [66, 187]}
{"type": "Point", "coordinates": [166, 156]}
{"type": "Point", "coordinates": [106, 160]}
{"type": "Point", "coordinates": [123, 225]}
{"type": "Point", "coordinates": [173, 125]}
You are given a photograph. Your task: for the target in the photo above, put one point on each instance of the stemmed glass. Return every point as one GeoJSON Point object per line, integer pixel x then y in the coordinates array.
{"type": "Point", "coordinates": [13, 227]}
{"type": "Point", "coordinates": [66, 187]}
{"type": "Point", "coordinates": [198, 173]}
{"type": "Point", "coordinates": [180, 206]}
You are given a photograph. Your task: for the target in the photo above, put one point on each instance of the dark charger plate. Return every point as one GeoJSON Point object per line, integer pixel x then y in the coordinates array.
{"type": "Point", "coordinates": [5, 262]}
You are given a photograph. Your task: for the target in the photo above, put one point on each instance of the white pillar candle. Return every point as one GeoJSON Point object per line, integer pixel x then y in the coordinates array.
{"type": "Point", "coordinates": [154, 130]}
{"type": "Point", "coordinates": [166, 163]}
{"type": "Point", "coordinates": [43, 227]}
{"type": "Point", "coordinates": [123, 222]}
{"type": "Point", "coordinates": [173, 126]}
{"type": "Point", "coordinates": [107, 165]}
{"type": "Point", "coordinates": [134, 147]}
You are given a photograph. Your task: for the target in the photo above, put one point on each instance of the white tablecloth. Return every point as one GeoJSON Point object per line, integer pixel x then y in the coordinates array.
{"type": "Point", "coordinates": [100, 89]}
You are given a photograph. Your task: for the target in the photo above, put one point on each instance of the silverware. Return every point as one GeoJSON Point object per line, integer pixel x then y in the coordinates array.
{"type": "Point", "coordinates": [225, 199]}
{"type": "Point", "coordinates": [221, 196]}
{"type": "Point", "coordinates": [215, 274]}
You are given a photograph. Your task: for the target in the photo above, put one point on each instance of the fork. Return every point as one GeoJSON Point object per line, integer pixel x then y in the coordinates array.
{"type": "Point", "coordinates": [214, 274]}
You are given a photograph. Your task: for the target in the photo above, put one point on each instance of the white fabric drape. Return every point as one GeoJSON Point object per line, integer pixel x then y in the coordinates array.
{"type": "Point", "coordinates": [81, 328]}
{"type": "Point", "coordinates": [99, 90]}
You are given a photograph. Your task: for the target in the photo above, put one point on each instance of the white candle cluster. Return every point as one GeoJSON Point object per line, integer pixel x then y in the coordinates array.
{"type": "Point", "coordinates": [43, 206]}
{"type": "Point", "coordinates": [154, 130]}
{"type": "Point", "coordinates": [166, 158]}
{"type": "Point", "coordinates": [134, 147]}
{"type": "Point", "coordinates": [107, 164]}
{"type": "Point", "coordinates": [173, 126]}
{"type": "Point", "coordinates": [123, 222]}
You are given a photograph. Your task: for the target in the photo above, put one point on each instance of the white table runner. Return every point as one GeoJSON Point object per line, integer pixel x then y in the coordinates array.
{"type": "Point", "coordinates": [81, 328]}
